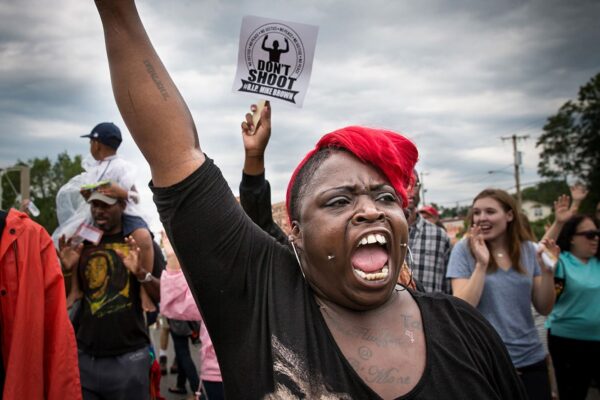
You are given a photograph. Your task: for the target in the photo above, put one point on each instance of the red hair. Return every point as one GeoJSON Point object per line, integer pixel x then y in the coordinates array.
{"type": "Point", "coordinates": [392, 154]}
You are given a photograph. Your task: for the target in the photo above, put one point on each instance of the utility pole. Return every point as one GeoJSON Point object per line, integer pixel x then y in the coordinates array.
{"type": "Point", "coordinates": [25, 181]}
{"type": "Point", "coordinates": [25, 185]}
{"type": "Point", "coordinates": [517, 161]}
{"type": "Point", "coordinates": [423, 190]}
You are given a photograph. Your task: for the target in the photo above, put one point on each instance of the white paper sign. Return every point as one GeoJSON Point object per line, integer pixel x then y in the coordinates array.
{"type": "Point", "coordinates": [87, 232]}
{"type": "Point", "coordinates": [275, 59]}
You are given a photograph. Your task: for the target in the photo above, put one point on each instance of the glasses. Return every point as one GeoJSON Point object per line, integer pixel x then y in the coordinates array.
{"type": "Point", "coordinates": [589, 234]}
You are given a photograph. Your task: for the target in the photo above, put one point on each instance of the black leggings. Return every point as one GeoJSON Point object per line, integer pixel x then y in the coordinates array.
{"type": "Point", "coordinates": [185, 365]}
{"type": "Point", "coordinates": [576, 363]}
{"type": "Point", "coordinates": [212, 391]}
{"type": "Point", "coordinates": [536, 381]}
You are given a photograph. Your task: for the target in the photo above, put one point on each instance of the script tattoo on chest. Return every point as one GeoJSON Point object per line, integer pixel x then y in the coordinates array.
{"type": "Point", "coordinates": [389, 376]}
{"type": "Point", "coordinates": [411, 322]}
{"type": "Point", "coordinates": [374, 374]}
{"type": "Point", "coordinates": [384, 337]}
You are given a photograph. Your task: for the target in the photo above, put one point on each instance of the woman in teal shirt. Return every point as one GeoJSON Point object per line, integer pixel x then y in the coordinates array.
{"type": "Point", "coordinates": [574, 324]}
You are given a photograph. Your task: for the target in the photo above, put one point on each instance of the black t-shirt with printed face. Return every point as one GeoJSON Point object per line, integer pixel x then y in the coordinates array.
{"type": "Point", "coordinates": [269, 335]}
{"type": "Point", "coordinates": [111, 320]}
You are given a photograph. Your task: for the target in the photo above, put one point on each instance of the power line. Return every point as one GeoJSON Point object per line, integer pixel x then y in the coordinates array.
{"type": "Point", "coordinates": [530, 127]}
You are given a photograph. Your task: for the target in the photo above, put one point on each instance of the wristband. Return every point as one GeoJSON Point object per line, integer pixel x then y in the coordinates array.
{"type": "Point", "coordinates": [147, 278]}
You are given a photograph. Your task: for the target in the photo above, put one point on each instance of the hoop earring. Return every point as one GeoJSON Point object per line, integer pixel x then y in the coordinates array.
{"type": "Point", "coordinates": [408, 265]}
{"type": "Point", "coordinates": [410, 258]}
{"type": "Point", "coordinates": [297, 258]}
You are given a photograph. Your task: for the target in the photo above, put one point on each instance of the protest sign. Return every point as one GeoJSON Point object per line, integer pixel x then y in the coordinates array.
{"type": "Point", "coordinates": [275, 59]}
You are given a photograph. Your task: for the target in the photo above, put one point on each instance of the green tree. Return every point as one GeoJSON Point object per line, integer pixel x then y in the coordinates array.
{"type": "Point", "coordinates": [571, 141]}
{"type": "Point", "coordinates": [46, 178]}
{"type": "Point", "coordinates": [453, 212]}
{"type": "Point", "coordinates": [545, 192]}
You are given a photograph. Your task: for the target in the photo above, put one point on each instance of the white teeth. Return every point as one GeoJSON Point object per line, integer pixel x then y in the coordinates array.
{"type": "Point", "coordinates": [371, 239]}
{"type": "Point", "coordinates": [382, 274]}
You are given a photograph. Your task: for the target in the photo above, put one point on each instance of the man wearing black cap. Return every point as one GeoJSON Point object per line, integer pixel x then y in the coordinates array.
{"type": "Point", "coordinates": [111, 332]}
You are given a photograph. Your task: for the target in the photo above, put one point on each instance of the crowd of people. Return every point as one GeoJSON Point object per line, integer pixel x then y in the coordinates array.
{"type": "Point", "coordinates": [364, 297]}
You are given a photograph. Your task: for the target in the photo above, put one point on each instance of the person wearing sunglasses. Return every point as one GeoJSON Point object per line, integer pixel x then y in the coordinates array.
{"type": "Point", "coordinates": [574, 323]}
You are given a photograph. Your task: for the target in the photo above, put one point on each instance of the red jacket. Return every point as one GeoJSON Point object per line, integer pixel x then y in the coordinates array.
{"type": "Point", "coordinates": [39, 350]}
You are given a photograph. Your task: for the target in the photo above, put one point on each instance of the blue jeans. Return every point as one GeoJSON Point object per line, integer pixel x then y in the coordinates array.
{"type": "Point", "coordinates": [122, 377]}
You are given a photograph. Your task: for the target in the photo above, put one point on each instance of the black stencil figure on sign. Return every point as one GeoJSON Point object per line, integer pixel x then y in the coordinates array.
{"type": "Point", "coordinates": [274, 52]}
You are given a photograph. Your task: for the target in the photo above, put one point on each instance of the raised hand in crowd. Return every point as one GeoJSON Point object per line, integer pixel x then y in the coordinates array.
{"type": "Point", "coordinates": [562, 209]}
{"type": "Point", "coordinates": [131, 259]}
{"type": "Point", "coordinates": [256, 139]}
{"type": "Point", "coordinates": [68, 253]}
{"type": "Point", "coordinates": [565, 208]}
{"type": "Point", "coordinates": [578, 193]}
{"type": "Point", "coordinates": [152, 107]}
{"type": "Point", "coordinates": [255, 190]}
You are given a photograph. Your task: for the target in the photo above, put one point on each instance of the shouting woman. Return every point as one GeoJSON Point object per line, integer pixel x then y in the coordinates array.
{"type": "Point", "coordinates": [324, 321]}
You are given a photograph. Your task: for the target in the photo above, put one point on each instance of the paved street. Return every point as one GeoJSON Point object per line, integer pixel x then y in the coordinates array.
{"type": "Point", "coordinates": [169, 380]}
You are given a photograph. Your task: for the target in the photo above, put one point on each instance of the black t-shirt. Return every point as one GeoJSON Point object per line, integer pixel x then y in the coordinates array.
{"type": "Point", "coordinates": [111, 320]}
{"type": "Point", "coordinates": [269, 335]}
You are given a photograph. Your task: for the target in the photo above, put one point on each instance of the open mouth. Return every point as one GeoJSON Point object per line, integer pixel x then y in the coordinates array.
{"type": "Point", "coordinates": [485, 227]}
{"type": "Point", "coordinates": [370, 259]}
{"type": "Point", "coordinates": [100, 221]}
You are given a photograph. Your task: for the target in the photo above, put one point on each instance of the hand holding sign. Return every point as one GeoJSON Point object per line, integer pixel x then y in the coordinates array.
{"type": "Point", "coordinates": [256, 139]}
{"type": "Point", "coordinates": [256, 114]}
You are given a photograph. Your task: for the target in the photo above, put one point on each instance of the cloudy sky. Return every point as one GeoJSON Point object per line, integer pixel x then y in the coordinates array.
{"type": "Point", "coordinates": [455, 76]}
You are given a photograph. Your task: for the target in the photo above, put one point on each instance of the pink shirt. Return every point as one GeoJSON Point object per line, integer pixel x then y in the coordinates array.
{"type": "Point", "coordinates": [176, 302]}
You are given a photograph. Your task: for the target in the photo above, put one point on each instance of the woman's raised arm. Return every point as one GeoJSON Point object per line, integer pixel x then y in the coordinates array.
{"type": "Point", "coordinates": [151, 106]}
